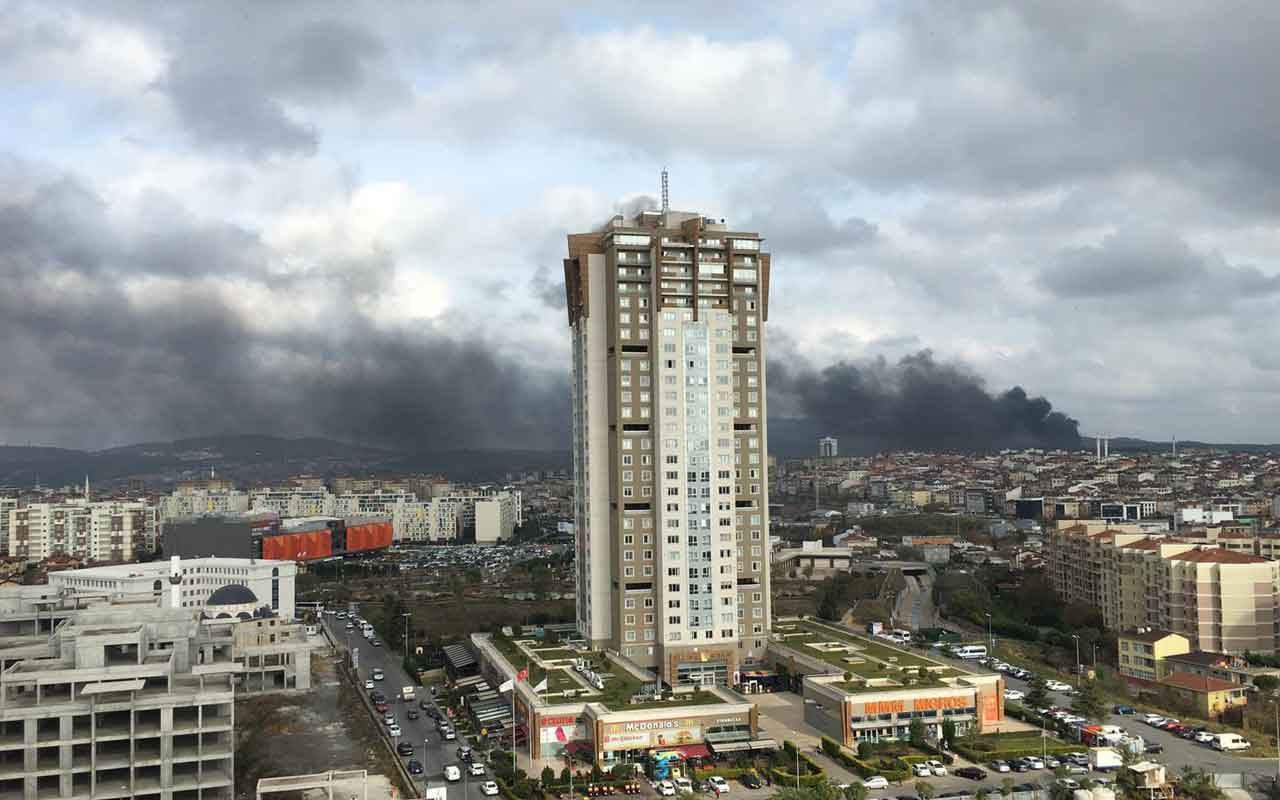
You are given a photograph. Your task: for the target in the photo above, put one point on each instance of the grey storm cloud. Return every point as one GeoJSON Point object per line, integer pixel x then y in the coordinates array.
{"type": "Point", "coordinates": [1154, 265]}
{"type": "Point", "coordinates": [242, 81]}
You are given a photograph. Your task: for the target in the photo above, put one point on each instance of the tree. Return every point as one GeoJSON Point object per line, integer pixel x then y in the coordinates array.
{"type": "Point", "coordinates": [925, 790]}
{"type": "Point", "coordinates": [856, 791]}
{"type": "Point", "coordinates": [1037, 693]}
{"type": "Point", "coordinates": [548, 776]}
{"type": "Point", "coordinates": [1196, 784]}
{"type": "Point", "coordinates": [915, 733]}
{"type": "Point", "coordinates": [1088, 703]}
{"type": "Point", "coordinates": [948, 732]}
{"type": "Point", "coordinates": [1266, 683]}
{"type": "Point", "coordinates": [822, 791]}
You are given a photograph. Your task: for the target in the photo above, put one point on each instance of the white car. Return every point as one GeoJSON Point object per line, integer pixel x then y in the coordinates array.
{"type": "Point", "coordinates": [718, 785]}
{"type": "Point", "coordinates": [476, 769]}
{"type": "Point", "coordinates": [1206, 737]}
{"type": "Point", "coordinates": [378, 675]}
{"type": "Point", "coordinates": [489, 789]}
{"type": "Point", "coordinates": [921, 770]}
{"type": "Point", "coordinates": [876, 782]}
{"type": "Point", "coordinates": [666, 789]}
{"type": "Point", "coordinates": [1152, 719]}
{"type": "Point", "coordinates": [999, 766]}
{"type": "Point", "coordinates": [1033, 762]}
{"type": "Point", "coordinates": [394, 730]}
{"type": "Point", "coordinates": [1013, 694]}
{"type": "Point", "coordinates": [452, 773]}
{"type": "Point", "coordinates": [936, 766]}
{"type": "Point", "coordinates": [1057, 686]}
{"type": "Point", "coordinates": [684, 786]}
{"type": "Point", "coordinates": [368, 684]}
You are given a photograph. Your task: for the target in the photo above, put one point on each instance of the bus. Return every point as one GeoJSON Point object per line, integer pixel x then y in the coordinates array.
{"type": "Point", "coordinates": [969, 651]}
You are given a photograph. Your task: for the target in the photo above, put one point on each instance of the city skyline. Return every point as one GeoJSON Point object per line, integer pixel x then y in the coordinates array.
{"type": "Point", "coordinates": [1073, 201]}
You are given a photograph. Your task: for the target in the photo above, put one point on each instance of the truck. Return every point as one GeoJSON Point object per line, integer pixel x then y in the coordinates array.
{"type": "Point", "coordinates": [1104, 758]}
{"type": "Point", "coordinates": [1229, 741]}
{"type": "Point", "coordinates": [407, 693]}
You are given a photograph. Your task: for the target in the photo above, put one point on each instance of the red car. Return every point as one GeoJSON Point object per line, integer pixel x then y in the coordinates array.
{"type": "Point", "coordinates": [381, 707]}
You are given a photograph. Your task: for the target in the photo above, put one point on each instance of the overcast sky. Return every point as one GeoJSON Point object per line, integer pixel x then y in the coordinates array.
{"type": "Point", "coordinates": [208, 210]}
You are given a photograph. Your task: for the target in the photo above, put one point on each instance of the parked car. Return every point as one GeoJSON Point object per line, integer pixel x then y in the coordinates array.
{"type": "Point", "coordinates": [378, 675]}
{"type": "Point", "coordinates": [718, 785]}
{"type": "Point", "coordinates": [414, 766]}
{"type": "Point", "coordinates": [876, 782]}
{"type": "Point", "coordinates": [489, 789]}
{"type": "Point", "coordinates": [936, 766]}
{"type": "Point", "coordinates": [1014, 694]}
{"type": "Point", "coordinates": [1034, 762]}
{"type": "Point", "coordinates": [684, 786]}
{"type": "Point", "coordinates": [1205, 737]}
{"type": "Point", "coordinates": [381, 706]}
{"type": "Point", "coordinates": [368, 684]}
{"type": "Point", "coordinates": [475, 769]}
{"type": "Point", "coordinates": [404, 749]}
{"type": "Point", "coordinates": [921, 770]}
{"type": "Point", "coordinates": [463, 753]}
{"type": "Point", "coordinates": [452, 773]}
{"type": "Point", "coordinates": [448, 735]}
{"type": "Point", "coordinates": [1153, 747]}
{"type": "Point", "coordinates": [1124, 711]}
{"type": "Point", "coordinates": [1051, 763]}
{"type": "Point", "coordinates": [1067, 783]}
{"type": "Point", "coordinates": [1152, 719]}
{"type": "Point", "coordinates": [665, 788]}
{"type": "Point", "coordinates": [751, 780]}
{"type": "Point", "coordinates": [425, 705]}
{"type": "Point", "coordinates": [999, 766]}
{"type": "Point", "coordinates": [972, 773]}
{"type": "Point", "coordinates": [394, 730]}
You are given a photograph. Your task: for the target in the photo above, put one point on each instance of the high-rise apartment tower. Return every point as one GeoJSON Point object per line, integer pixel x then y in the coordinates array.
{"type": "Point", "coordinates": [671, 506]}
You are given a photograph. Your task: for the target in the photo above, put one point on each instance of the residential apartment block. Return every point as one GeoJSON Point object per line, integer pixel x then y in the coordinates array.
{"type": "Point", "coordinates": [1221, 600]}
{"type": "Point", "coordinates": [192, 498]}
{"type": "Point", "coordinates": [106, 530]}
{"type": "Point", "coordinates": [667, 312]}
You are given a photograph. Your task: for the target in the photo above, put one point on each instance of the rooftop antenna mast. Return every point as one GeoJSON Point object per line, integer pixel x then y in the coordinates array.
{"type": "Point", "coordinates": [666, 196]}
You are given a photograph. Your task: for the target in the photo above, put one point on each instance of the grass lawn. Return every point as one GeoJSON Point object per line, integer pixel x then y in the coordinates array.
{"type": "Point", "coordinates": [555, 653]}
{"type": "Point", "coordinates": [802, 635]}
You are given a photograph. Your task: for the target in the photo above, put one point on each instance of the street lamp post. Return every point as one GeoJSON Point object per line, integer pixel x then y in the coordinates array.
{"type": "Point", "coordinates": [991, 634]}
{"type": "Point", "coordinates": [1077, 638]}
{"type": "Point", "coordinates": [405, 643]}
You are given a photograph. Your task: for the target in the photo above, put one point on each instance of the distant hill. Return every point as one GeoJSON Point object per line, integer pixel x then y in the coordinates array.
{"type": "Point", "coordinates": [255, 457]}
{"type": "Point", "coordinates": [1127, 444]}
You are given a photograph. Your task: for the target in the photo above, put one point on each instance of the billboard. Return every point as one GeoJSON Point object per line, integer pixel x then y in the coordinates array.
{"type": "Point", "coordinates": [561, 731]}
{"type": "Point", "coordinates": [650, 734]}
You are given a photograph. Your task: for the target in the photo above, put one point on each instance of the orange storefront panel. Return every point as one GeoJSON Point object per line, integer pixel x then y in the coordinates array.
{"type": "Point", "coordinates": [304, 546]}
{"type": "Point", "coordinates": [369, 536]}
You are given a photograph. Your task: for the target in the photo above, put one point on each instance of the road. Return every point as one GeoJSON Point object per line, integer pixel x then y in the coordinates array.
{"type": "Point", "coordinates": [438, 752]}
{"type": "Point", "coordinates": [914, 605]}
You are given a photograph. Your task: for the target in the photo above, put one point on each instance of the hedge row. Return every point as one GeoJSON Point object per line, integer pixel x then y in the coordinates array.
{"type": "Point", "coordinates": [729, 773]}
{"type": "Point", "coordinates": [816, 775]}
{"type": "Point", "coordinates": [984, 756]}
{"type": "Point", "coordinates": [895, 772]}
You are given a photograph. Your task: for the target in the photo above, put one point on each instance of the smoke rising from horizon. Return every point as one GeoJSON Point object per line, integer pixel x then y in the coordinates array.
{"type": "Point", "coordinates": [916, 403]}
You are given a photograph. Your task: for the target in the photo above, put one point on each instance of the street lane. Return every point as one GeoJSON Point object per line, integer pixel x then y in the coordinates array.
{"type": "Point", "coordinates": [438, 753]}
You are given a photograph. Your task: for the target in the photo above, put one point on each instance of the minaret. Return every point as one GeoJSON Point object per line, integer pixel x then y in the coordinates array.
{"type": "Point", "coordinates": [86, 488]}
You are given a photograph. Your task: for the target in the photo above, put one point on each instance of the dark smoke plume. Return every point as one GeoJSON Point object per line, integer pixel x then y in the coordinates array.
{"type": "Point", "coordinates": [915, 404]}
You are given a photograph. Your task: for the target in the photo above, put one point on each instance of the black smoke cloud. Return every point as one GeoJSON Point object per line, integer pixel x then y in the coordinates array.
{"type": "Point", "coordinates": [116, 332]}
{"type": "Point", "coordinates": [914, 404]}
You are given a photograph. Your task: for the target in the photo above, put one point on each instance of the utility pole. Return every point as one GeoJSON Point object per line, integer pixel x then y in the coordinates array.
{"type": "Point", "coordinates": [1077, 638]}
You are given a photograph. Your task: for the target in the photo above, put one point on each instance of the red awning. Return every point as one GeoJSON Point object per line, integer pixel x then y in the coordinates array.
{"type": "Point", "coordinates": [691, 750]}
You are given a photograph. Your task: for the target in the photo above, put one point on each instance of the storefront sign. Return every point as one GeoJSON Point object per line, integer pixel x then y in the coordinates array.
{"type": "Point", "coordinates": [938, 703]}
{"type": "Point", "coordinates": [652, 733]}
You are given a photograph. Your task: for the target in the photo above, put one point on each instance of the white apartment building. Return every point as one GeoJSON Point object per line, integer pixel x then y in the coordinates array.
{"type": "Point", "coordinates": [494, 516]}
{"type": "Point", "coordinates": [190, 501]}
{"type": "Point", "coordinates": [669, 412]}
{"type": "Point", "coordinates": [7, 504]}
{"type": "Point", "coordinates": [375, 502]}
{"type": "Point", "coordinates": [105, 530]}
{"type": "Point", "coordinates": [295, 501]}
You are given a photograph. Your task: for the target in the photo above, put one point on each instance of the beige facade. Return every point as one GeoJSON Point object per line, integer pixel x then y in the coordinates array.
{"type": "Point", "coordinates": [667, 311]}
{"type": "Point", "coordinates": [1221, 600]}
{"type": "Point", "coordinates": [108, 530]}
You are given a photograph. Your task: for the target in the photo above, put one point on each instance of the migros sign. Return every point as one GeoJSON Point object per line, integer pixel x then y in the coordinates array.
{"type": "Point", "coordinates": [918, 704]}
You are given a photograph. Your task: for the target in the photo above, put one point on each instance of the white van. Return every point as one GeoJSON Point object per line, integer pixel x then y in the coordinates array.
{"type": "Point", "coordinates": [970, 651]}
{"type": "Point", "coordinates": [1230, 741]}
